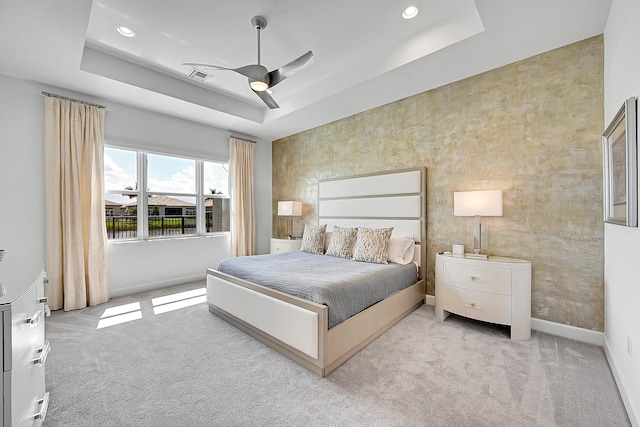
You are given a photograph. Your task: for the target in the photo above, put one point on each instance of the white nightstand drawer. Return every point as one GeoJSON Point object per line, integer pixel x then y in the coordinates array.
{"type": "Point", "coordinates": [486, 279]}
{"type": "Point", "coordinates": [284, 245]}
{"type": "Point", "coordinates": [478, 305]}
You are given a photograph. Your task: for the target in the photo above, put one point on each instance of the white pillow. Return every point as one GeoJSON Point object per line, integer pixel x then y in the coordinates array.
{"type": "Point", "coordinates": [401, 250]}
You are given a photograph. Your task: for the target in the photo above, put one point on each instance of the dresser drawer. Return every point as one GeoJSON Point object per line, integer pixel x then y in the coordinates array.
{"type": "Point", "coordinates": [27, 389]}
{"type": "Point", "coordinates": [478, 305]}
{"type": "Point", "coordinates": [479, 278]}
{"type": "Point", "coordinates": [27, 327]}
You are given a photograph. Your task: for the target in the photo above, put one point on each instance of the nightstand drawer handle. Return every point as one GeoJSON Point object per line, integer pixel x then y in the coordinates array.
{"type": "Point", "coordinates": [472, 305]}
{"type": "Point", "coordinates": [475, 278]}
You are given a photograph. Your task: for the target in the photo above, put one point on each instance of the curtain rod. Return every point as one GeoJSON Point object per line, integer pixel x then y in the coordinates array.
{"type": "Point", "coordinates": [53, 95]}
{"type": "Point", "coordinates": [229, 135]}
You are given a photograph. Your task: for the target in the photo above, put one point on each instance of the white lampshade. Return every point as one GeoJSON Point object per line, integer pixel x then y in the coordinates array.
{"type": "Point", "coordinates": [290, 208]}
{"type": "Point", "coordinates": [473, 203]}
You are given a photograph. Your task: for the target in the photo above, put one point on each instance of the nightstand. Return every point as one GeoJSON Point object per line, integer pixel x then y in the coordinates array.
{"type": "Point", "coordinates": [497, 290]}
{"type": "Point", "coordinates": [285, 245]}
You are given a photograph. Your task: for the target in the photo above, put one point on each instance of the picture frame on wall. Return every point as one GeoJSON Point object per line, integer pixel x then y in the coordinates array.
{"type": "Point", "coordinates": [620, 145]}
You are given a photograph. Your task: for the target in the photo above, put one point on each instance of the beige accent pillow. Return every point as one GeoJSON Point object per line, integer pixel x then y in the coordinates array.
{"type": "Point", "coordinates": [342, 242]}
{"type": "Point", "coordinates": [313, 239]}
{"type": "Point", "coordinates": [372, 245]}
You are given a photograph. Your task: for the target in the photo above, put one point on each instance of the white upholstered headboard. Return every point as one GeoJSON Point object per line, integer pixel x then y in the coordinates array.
{"type": "Point", "coordinates": [388, 199]}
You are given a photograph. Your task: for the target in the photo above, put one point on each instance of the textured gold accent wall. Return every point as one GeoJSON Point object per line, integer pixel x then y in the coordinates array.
{"type": "Point", "coordinates": [532, 129]}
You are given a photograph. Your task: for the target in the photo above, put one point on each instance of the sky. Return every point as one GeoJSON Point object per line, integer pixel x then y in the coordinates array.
{"type": "Point", "coordinates": [165, 174]}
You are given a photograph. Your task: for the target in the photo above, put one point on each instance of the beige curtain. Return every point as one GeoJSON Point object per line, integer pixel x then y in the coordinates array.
{"type": "Point", "coordinates": [75, 228]}
{"type": "Point", "coordinates": [243, 229]}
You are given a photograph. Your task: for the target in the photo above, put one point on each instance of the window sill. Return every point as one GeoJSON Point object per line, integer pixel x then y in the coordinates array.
{"type": "Point", "coordinates": [165, 239]}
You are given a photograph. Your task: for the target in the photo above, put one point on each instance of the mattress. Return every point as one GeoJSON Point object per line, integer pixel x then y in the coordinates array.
{"type": "Point", "coordinates": [345, 286]}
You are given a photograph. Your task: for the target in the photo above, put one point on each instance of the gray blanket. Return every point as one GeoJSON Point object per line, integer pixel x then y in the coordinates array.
{"type": "Point", "coordinates": [345, 286]}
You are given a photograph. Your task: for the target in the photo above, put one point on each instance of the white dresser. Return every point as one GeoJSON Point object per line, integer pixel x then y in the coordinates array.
{"type": "Point", "coordinates": [23, 346]}
{"type": "Point", "coordinates": [497, 290]}
{"type": "Point", "coordinates": [285, 245]}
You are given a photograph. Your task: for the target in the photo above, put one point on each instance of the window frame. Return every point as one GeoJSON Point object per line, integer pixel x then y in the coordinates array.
{"type": "Point", "coordinates": [142, 194]}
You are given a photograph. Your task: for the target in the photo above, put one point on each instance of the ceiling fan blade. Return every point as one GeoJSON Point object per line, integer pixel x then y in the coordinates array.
{"type": "Point", "coordinates": [255, 72]}
{"type": "Point", "coordinates": [267, 99]}
{"type": "Point", "coordinates": [276, 76]}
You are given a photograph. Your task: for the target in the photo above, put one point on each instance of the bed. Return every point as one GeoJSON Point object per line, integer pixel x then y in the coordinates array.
{"type": "Point", "coordinates": [300, 328]}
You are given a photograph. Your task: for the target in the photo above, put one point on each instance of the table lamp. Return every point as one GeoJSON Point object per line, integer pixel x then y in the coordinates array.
{"type": "Point", "coordinates": [290, 209]}
{"type": "Point", "coordinates": [477, 204]}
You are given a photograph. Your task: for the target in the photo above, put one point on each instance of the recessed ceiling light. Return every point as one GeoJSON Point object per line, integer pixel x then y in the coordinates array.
{"type": "Point", "coordinates": [125, 31]}
{"type": "Point", "coordinates": [410, 12]}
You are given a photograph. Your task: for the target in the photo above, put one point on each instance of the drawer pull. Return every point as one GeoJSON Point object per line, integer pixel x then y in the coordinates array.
{"type": "Point", "coordinates": [44, 352]}
{"type": "Point", "coordinates": [44, 405]}
{"type": "Point", "coordinates": [475, 278]}
{"type": "Point", "coordinates": [472, 305]}
{"type": "Point", "coordinates": [35, 319]}
{"type": "Point", "coordinates": [47, 310]}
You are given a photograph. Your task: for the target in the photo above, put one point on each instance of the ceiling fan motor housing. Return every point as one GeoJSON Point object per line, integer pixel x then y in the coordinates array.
{"type": "Point", "coordinates": [259, 22]}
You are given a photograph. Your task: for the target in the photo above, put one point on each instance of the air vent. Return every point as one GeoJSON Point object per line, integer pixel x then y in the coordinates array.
{"type": "Point", "coordinates": [199, 76]}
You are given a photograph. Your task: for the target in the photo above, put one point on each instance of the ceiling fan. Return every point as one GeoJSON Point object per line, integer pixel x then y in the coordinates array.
{"type": "Point", "coordinates": [260, 79]}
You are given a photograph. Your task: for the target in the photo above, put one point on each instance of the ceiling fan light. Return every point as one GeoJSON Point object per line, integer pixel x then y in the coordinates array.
{"type": "Point", "coordinates": [410, 12]}
{"type": "Point", "coordinates": [259, 86]}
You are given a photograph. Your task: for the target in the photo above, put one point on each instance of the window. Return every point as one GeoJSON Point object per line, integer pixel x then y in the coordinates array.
{"type": "Point", "coordinates": [216, 199]}
{"type": "Point", "coordinates": [173, 211]}
{"type": "Point", "coordinates": [178, 196]}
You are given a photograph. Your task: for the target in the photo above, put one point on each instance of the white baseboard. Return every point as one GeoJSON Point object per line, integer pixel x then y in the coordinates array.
{"type": "Point", "coordinates": [430, 300]}
{"type": "Point", "coordinates": [129, 290]}
{"type": "Point", "coordinates": [567, 331]}
{"type": "Point", "coordinates": [628, 403]}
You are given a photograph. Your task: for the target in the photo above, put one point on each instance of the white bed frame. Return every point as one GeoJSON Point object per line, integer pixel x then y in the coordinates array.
{"type": "Point", "coordinates": [298, 328]}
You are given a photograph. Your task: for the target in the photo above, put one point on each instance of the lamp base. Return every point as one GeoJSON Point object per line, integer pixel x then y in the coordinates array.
{"type": "Point", "coordinates": [476, 256]}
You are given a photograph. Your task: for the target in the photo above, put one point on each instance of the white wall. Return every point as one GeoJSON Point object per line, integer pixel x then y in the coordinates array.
{"type": "Point", "coordinates": [22, 219]}
{"type": "Point", "coordinates": [134, 266]}
{"type": "Point", "coordinates": [143, 265]}
{"type": "Point", "coordinates": [622, 244]}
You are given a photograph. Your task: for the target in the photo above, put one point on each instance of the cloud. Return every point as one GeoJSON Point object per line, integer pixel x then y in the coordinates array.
{"type": "Point", "coordinates": [165, 174]}
{"type": "Point", "coordinates": [183, 181]}
{"type": "Point", "coordinates": [115, 177]}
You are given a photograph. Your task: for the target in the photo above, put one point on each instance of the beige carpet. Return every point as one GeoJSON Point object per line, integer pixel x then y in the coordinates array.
{"type": "Point", "coordinates": [187, 367]}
